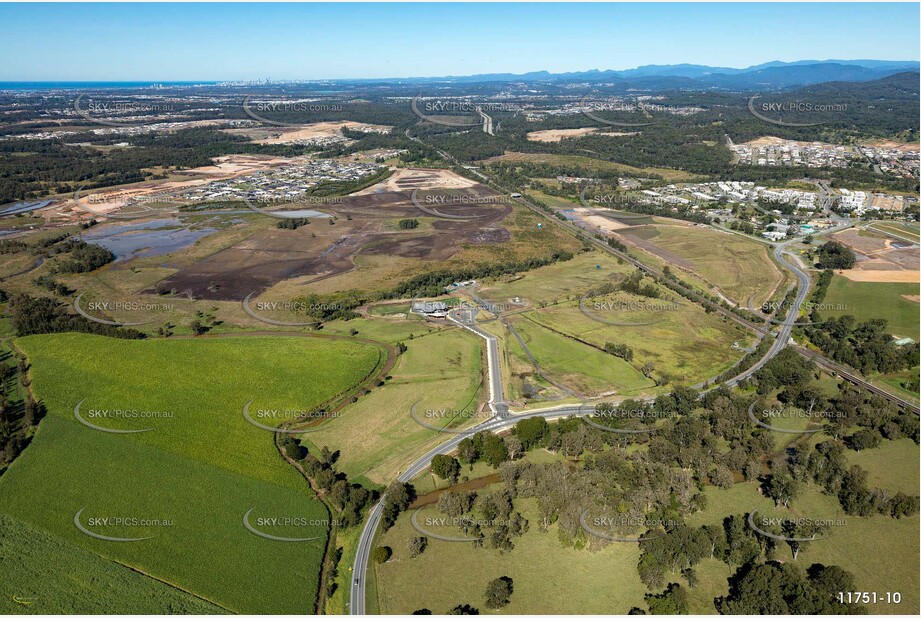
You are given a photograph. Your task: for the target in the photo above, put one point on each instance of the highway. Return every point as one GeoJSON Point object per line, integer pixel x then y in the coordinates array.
{"type": "Point", "coordinates": [487, 122]}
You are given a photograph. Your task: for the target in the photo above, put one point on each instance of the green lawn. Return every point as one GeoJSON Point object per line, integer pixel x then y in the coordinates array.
{"type": "Point", "coordinates": [898, 382]}
{"type": "Point", "coordinates": [899, 229]}
{"type": "Point", "coordinates": [552, 292]}
{"type": "Point", "coordinates": [556, 282]}
{"type": "Point", "coordinates": [200, 468]}
{"type": "Point", "coordinates": [687, 343]}
{"type": "Point", "coordinates": [893, 466]}
{"type": "Point", "coordinates": [868, 300]}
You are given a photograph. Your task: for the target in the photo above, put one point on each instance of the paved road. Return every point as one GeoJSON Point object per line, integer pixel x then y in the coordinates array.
{"type": "Point", "coordinates": [497, 402]}
{"type": "Point", "coordinates": [487, 122]}
{"type": "Point", "coordinates": [503, 418]}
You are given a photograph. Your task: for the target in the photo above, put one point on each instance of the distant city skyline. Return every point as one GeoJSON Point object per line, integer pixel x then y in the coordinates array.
{"type": "Point", "coordinates": [246, 42]}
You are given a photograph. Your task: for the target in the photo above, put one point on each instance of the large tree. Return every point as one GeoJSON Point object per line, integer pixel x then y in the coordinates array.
{"type": "Point", "coordinates": [499, 592]}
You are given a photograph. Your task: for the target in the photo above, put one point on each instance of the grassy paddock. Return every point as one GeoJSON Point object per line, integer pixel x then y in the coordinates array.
{"type": "Point", "coordinates": [377, 436]}
{"type": "Point", "coordinates": [869, 301]}
{"type": "Point", "coordinates": [200, 468]}
{"type": "Point", "coordinates": [579, 366]}
{"type": "Point", "coordinates": [590, 164]}
{"type": "Point", "coordinates": [78, 581]}
{"type": "Point", "coordinates": [739, 267]}
{"type": "Point", "coordinates": [448, 574]}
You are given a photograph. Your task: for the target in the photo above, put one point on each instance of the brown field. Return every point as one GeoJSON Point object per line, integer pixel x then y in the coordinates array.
{"type": "Point", "coordinates": [590, 216]}
{"type": "Point", "coordinates": [287, 135]}
{"type": "Point", "coordinates": [406, 179]}
{"type": "Point", "coordinates": [885, 143]}
{"type": "Point", "coordinates": [556, 135]}
{"type": "Point", "coordinates": [770, 140]}
{"type": "Point", "coordinates": [883, 276]}
{"type": "Point", "coordinates": [875, 254]}
{"type": "Point", "coordinates": [321, 251]}
{"type": "Point", "coordinates": [885, 202]}
{"type": "Point", "coordinates": [913, 298]}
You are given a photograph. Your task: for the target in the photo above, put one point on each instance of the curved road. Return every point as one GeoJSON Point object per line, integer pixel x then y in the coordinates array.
{"type": "Point", "coordinates": [503, 418]}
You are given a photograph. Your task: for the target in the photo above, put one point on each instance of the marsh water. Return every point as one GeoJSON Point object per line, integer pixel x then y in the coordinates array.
{"type": "Point", "coordinates": [147, 238]}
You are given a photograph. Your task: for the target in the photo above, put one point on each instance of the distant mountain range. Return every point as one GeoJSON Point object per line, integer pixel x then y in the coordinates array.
{"type": "Point", "coordinates": [767, 76]}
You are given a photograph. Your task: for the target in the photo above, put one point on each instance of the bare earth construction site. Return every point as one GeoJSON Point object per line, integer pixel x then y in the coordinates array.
{"type": "Point", "coordinates": [324, 250]}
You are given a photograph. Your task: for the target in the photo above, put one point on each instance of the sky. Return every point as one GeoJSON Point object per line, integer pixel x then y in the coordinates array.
{"type": "Point", "coordinates": [208, 42]}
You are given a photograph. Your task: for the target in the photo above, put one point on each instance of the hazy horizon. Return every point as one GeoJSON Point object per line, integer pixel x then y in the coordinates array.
{"type": "Point", "coordinates": [349, 41]}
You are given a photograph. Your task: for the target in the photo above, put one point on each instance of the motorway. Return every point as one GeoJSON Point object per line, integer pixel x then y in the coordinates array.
{"type": "Point", "coordinates": [503, 418]}
{"type": "Point", "coordinates": [487, 122]}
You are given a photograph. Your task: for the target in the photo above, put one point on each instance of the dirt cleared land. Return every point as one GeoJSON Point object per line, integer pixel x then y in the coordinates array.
{"type": "Point", "coordinates": [770, 140]}
{"type": "Point", "coordinates": [293, 134]}
{"type": "Point", "coordinates": [894, 145]}
{"type": "Point", "coordinates": [556, 135]}
{"type": "Point", "coordinates": [321, 250]}
{"type": "Point", "coordinates": [876, 254]}
{"type": "Point", "coordinates": [882, 276]}
{"type": "Point", "coordinates": [913, 298]}
{"type": "Point", "coordinates": [114, 199]}
{"type": "Point", "coordinates": [589, 216]}
{"type": "Point", "coordinates": [405, 179]}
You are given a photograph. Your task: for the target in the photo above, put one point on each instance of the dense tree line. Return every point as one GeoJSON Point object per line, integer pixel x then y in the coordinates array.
{"type": "Point", "coordinates": [348, 498]}
{"type": "Point", "coordinates": [397, 499]}
{"type": "Point", "coordinates": [836, 255]}
{"type": "Point", "coordinates": [784, 588]}
{"type": "Point", "coordinates": [865, 346]}
{"type": "Point", "coordinates": [82, 257]}
{"type": "Point", "coordinates": [489, 518]}
{"type": "Point", "coordinates": [827, 465]}
{"type": "Point", "coordinates": [36, 316]}
{"type": "Point", "coordinates": [292, 223]}
{"type": "Point", "coordinates": [34, 168]}
{"type": "Point", "coordinates": [19, 412]}
{"type": "Point", "coordinates": [633, 284]}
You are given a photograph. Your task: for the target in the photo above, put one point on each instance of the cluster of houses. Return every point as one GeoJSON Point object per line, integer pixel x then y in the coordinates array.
{"type": "Point", "coordinates": [643, 103]}
{"type": "Point", "coordinates": [728, 192]}
{"type": "Point", "coordinates": [789, 153]}
{"type": "Point", "coordinates": [859, 202]}
{"type": "Point", "coordinates": [286, 181]}
{"type": "Point", "coordinates": [140, 129]}
{"type": "Point", "coordinates": [893, 161]}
